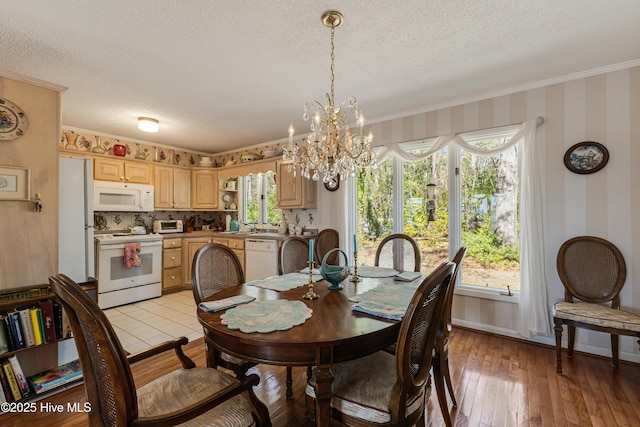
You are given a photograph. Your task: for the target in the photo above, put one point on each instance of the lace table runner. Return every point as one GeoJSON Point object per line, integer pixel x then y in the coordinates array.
{"type": "Point", "coordinates": [370, 271]}
{"type": "Point", "coordinates": [284, 282]}
{"type": "Point", "coordinates": [266, 316]}
{"type": "Point", "coordinates": [388, 301]}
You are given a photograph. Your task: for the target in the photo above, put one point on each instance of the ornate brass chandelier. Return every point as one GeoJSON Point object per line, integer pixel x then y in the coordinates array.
{"type": "Point", "coordinates": [331, 150]}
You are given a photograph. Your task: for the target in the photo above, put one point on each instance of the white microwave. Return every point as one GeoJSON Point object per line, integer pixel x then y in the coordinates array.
{"type": "Point", "coordinates": [120, 197]}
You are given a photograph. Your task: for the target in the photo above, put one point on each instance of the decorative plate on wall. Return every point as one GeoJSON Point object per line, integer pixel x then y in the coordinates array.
{"type": "Point", "coordinates": [586, 157]}
{"type": "Point", "coordinates": [13, 121]}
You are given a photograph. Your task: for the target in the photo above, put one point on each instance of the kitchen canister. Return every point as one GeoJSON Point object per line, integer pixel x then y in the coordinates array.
{"type": "Point", "coordinates": [233, 225]}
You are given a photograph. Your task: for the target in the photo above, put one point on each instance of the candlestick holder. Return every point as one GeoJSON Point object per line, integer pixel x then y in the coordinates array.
{"type": "Point", "coordinates": [355, 277]}
{"type": "Point", "coordinates": [310, 294]}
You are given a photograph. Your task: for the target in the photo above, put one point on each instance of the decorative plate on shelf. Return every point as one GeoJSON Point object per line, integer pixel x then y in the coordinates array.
{"type": "Point", "coordinates": [13, 121]}
{"type": "Point", "coordinates": [226, 198]}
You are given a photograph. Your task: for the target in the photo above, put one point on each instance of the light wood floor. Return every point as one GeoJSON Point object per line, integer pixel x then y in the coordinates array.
{"type": "Point", "coordinates": [498, 382]}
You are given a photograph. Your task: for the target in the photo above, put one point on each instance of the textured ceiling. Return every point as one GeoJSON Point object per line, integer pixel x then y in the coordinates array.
{"type": "Point", "coordinates": [223, 74]}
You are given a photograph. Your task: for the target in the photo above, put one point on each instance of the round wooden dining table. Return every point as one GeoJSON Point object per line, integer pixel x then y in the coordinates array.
{"type": "Point", "coordinates": [333, 334]}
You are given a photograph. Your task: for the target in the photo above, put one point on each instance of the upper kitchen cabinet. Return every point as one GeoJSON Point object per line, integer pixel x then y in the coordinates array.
{"type": "Point", "coordinates": [106, 169]}
{"type": "Point", "coordinates": [172, 188]}
{"type": "Point", "coordinates": [204, 186]}
{"type": "Point", "coordinates": [294, 192]}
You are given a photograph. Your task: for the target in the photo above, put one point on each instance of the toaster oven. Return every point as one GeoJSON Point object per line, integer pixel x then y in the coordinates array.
{"type": "Point", "coordinates": [167, 226]}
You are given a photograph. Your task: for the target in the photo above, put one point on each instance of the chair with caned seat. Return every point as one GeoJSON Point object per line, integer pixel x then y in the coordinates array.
{"type": "Point", "coordinates": [440, 361]}
{"type": "Point", "coordinates": [193, 396]}
{"type": "Point", "coordinates": [385, 389]}
{"type": "Point", "coordinates": [593, 272]}
{"type": "Point", "coordinates": [400, 252]}
{"type": "Point", "coordinates": [216, 267]}
{"type": "Point", "coordinates": [326, 240]}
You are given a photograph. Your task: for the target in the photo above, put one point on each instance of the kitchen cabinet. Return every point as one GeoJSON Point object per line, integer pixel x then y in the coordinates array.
{"type": "Point", "coordinates": [172, 188]}
{"type": "Point", "coordinates": [237, 246]}
{"type": "Point", "coordinates": [190, 246]}
{"type": "Point", "coordinates": [294, 192]}
{"type": "Point", "coordinates": [204, 189]}
{"type": "Point", "coordinates": [106, 169]}
{"type": "Point", "coordinates": [172, 265]}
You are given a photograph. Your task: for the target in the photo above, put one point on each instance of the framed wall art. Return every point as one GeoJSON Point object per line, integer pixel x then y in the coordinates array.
{"type": "Point", "coordinates": [14, 183]}
{"type": "Point", "coordinates": [586, 157]}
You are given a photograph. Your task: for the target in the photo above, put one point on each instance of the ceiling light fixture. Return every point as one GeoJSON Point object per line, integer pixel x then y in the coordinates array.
{"type": "Point", "coordinates": [331, 150]}
{"type": "Point", "coordinates": [148, 124]}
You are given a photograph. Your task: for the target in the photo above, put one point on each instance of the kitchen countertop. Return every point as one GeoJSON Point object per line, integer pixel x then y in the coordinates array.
{"type": "Point", "coordinates": [233, 235]}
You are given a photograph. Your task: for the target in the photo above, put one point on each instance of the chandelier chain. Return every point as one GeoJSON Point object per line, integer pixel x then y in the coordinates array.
{"type": "Point", "coordinates": [333, 57]}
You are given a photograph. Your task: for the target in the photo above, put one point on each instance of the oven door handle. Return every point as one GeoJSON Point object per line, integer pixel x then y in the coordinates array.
{"type": "Point", "coordinates": [121, 245]}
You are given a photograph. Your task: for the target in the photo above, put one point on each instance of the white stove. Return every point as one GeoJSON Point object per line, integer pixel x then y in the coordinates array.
{"type": "Point", "coordinates": [119, 284]}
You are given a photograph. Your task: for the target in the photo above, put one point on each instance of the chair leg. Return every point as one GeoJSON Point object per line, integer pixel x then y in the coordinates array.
{"type": "Point", "coordinates": [289, 392]}
{"type": "Point", "coordinates": [558, 329]}
{"type": "Point", "coordinates": [572, 340]}
{"type": "Point", "coordinates": [444, 366]}
{"type": "Point", "coordinates": [438, 379]}
{"type": "Point", "coordinates": [615, 339]}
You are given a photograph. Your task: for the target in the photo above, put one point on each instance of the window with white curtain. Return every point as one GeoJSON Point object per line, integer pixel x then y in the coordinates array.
{"type": "Point", "coordinates": [476, 205]}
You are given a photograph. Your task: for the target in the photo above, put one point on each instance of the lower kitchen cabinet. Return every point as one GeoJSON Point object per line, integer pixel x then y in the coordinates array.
{"type": "Point", "coordinates": [237, 245]}
{"type": "Point", "coordinates": [190, 246]}
{"type": "Point", "coordinates": [172, 265]}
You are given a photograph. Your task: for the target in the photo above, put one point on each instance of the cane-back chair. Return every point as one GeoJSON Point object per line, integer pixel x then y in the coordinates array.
{"type": "Point", "coordinates": [293, 255]}
{"type": "Point", "coordinates": [382, 389]}
{"type": "Point", "coordinates": [593, 272]}
{"type": "Point", "coordinates": [326, 240]}
{"type": "Point", "coordinates": [216, 267]}
{"type": "Point", "coordinates": [400, 252]}
{"type": "Point", "coordinates": [190, 395]}
{"type": "Point", "coordinates": [440, 361]}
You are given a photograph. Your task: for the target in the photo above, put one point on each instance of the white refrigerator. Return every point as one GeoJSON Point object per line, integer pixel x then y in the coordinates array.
{"type": "Point", "coordinates": [75, 227]}
{"type": "Point", "coordinates": [75, 230]}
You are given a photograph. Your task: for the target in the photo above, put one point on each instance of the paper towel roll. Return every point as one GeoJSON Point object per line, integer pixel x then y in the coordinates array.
{"type": "Point", "coordinates": [228, 224]}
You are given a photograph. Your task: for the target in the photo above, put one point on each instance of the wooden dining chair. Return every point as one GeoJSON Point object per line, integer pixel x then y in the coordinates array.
{"type": "Point", "coordinates": [326, 240]}
{"type": "Point", "coordinates": [400, 252]}
{"type": "Point", "coordinates": [189, 395]}
{"type": "Point", "coordinates": [216, 267]}
{"type": "Point", "coordinates": [293, 255]}
{"type": "Point", "coordinates": [383, 389]}
{"type": "Point", "coordinates": [440, 361]}
{"type": "Point", "coordinates": [593, 273]}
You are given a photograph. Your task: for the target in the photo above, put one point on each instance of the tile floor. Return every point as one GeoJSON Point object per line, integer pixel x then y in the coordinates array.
{"type": "Point", "coordinates": [146, 323]}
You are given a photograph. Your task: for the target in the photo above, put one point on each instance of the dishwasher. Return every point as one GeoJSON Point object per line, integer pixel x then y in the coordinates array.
{"type": "Point", "coordinates": [261, 258]}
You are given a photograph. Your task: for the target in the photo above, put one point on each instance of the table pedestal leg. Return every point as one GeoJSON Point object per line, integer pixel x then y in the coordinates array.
{"type": "Point", "coordinates": [324, 380]}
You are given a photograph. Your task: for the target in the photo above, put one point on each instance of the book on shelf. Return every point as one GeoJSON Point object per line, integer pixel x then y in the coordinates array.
{"type": "Point", "coordinates": [48, 321]}
{"type": "Point", "coordinates": [11, 379]}
{"type": "Point", "coordinates": [35, 323]}
{"type": "Point", "coordinates": [6, 390]}
{"type": "Point", "coordinates": [57, 319]}
{"type": "Point", "coordinates": [52, 378]}
{"type": "Point", "coordinates": [5, 345]}
{"type": "Point", "coordinates": [16, 330]}
{"type": "Point", "coordinates": [27, 327]}
{"type": "Point", "coordinates": [23, 385]}
{"type": "Point", "coordinates": [6, 325]}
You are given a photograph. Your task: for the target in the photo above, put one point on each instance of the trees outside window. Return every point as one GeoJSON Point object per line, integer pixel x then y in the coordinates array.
{"type": "Point", "coordinates": [260, 199]}
{"type": "Point", "coordinates": [485, 190]}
